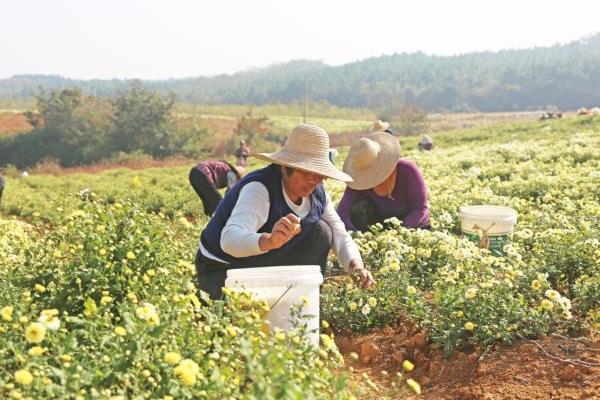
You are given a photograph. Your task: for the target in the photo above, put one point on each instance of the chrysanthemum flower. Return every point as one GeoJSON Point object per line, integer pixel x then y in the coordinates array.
{"type": "Point", "coordinates": [469, 326]}
{"type": "Point", "coordinates": [7, 313]}
{"type": "Point", "coordinates": [35, 333]}
{"type": "Point", "coordinates": [23, 377]}
{"type": "Point", "coordinates": [172, 358]}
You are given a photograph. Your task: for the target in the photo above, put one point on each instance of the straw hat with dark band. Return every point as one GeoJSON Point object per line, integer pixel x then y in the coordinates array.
{"type": "Point", "coordinates": [371, 160]}
{"type": "Point", "coordinates": [307, 149]}
{"type": "Point", "coordinates": [380, 126]}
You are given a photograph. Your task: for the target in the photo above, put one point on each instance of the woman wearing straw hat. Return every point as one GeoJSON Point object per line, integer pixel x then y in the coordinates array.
{"type": "Point", "coordinates": [207, 177]}
{"type": "Point", "coordinates": [381, 126]}
{"type": "Point", "coordinates": [384, 186]}
{"type": "Point", "coordinates": [279, 215]}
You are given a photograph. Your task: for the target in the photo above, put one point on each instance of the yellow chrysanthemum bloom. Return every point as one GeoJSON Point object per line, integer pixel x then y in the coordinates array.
{"type": "Point", "coordinates": [372, 301]}
{"type": "Point", "coordinates": [187, 378]}
{"type": "Point", "coordinates": [469, 326]}
{"type": "Point", "coordinates": [470, 293]}
{"type": "Point", "coordinates": [120, 331]}
{"type": "Point", "coordinates": [547, 305]}
{"type": "Point", "coordinates": [411, 290]}
{"type": "Point", "coordinates": [35, 332]}
{"type": "Point", "coordinates": [414, 385]}
{"type": "Point", "coordinates": [407, 366]}
{"type": "Point", "coordinates": [36, 351]}
{"type": "Point", "coordinates": [23, 377]}
{"type": "Point", "coordinates": [130, 255]}
{"type": "Point", "coordinates": [327, 342]}
{"type": "Point", "coordinates": [39, 288]}
{"type": "Point", "coordinates": [172, 358]}
{"type": "Point", "coordinates": [304, 300]}
{"type": "Point", "coordinates": [7, 313]}
{"type": "Point", "coordinates": [352, 306]}
{"type": "Point", "coordinates": [187, 372]}
{"type": "Point", "coordinates": [536, 285]}
{"type": "Point", "coordinates": [153, 320]}
{"type": "Point", "coordinates": [324, 324]}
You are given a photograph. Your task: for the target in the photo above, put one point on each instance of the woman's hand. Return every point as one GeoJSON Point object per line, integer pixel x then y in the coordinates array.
{"type": "Point", "coordinates": [283, 231]}
{"type": "Point", "coordinates": [366, 278]}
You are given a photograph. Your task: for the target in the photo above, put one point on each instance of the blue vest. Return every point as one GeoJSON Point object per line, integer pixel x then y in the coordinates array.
{"type": "Point", "coordinates": [270, 177]}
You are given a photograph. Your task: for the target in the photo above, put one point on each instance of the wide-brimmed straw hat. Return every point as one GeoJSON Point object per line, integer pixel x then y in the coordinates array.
{"type": "Point", "coordinates": [380, 126]}
{"type": "Point", "coordinates": [307, 149]}
{"type": "Point", "coordinates": [371, 160]}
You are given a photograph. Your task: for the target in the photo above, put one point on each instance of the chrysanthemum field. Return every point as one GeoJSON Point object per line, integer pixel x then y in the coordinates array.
{"type": "Point", "coordinates": [97, 295]}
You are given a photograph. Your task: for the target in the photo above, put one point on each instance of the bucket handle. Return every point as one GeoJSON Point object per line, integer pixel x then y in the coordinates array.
{"type": "Point", "coordinates": [485, 241]}
{"type": "Point", "coordinates": [281, 297]}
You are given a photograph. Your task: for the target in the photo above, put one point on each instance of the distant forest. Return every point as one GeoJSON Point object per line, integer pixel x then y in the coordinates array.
{"type": "Point", "coordinates": [562, 76]}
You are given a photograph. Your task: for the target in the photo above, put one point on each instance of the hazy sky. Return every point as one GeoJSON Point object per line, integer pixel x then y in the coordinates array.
{"type": "Point", "coordinates": [157, 39]}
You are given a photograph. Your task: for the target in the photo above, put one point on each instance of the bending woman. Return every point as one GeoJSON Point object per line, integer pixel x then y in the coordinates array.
{"type": "Point", "coordinates": [384, 186]}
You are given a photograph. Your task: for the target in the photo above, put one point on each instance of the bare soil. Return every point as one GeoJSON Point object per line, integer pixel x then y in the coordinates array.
{"type": "Point", "coordinates": [554, 367]}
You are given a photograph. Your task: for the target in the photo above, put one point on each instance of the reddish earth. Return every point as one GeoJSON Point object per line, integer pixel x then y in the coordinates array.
{"type": "Point", "coordinates": [13, 123]}
{"type": "Point", "coordinates": [555, 367]}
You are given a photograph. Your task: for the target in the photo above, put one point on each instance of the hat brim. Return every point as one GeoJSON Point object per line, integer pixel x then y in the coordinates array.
{"type": "Point", "coordinates": [378, 171]}
{"type": "Point", "coordinates": [303, 162]}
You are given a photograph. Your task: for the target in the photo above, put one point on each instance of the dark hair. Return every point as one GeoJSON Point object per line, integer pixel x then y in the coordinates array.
{"type": "Point", "coordinates": [289, 170]}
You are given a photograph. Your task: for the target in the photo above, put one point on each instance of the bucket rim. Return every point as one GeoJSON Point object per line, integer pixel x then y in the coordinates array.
{"type": "Point", "coordinates": [488, 212]}
{"type": "Point", "coordinates": [275, 276]}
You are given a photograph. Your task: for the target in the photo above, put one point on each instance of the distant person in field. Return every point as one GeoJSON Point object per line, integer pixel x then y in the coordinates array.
{"type": "Point", "coordinates": [381, 126]}
{"type": "Point", "coordinates": [242, 153]}
{"type": "Point", "coordinates": [426, 143]}
{"type": "Point", "coordinates": [2, 184]}
{"type": "Point", "coordinates": [208, 177]}
{"type": "Point", "coordinates": [384, 186]}
{"type": "Point", "coordinates": [279, 215]}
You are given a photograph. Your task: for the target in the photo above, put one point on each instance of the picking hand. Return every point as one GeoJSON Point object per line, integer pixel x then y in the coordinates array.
{"type": "Point", "coordinates": [365, 276]}
{"type": "Point", "coordinates": [283, 231]}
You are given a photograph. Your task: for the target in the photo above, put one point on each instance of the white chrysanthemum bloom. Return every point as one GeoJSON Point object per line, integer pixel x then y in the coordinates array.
{"type": "Point", "coordinates": [365, 309]}
{"type": "Point", "coordinates": [552, 294]}
{"type": "Point", "coordinates": [475, 171]}
{"type": "Point", "coordinates": [52, 323]}
{"type": "Point", "coordinates": [564, 303]}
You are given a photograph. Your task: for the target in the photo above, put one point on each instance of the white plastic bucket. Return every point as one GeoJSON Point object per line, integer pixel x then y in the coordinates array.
{"type": "Point", "coordinates": [281, 287]}
{"type": "Point", "coordinates": [488, 226]}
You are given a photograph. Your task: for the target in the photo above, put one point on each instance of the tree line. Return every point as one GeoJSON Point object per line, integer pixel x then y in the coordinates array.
{"type": "Point", "coordinates": [73, 128]}
{"type": "Point", "coordinates": [562, 76]}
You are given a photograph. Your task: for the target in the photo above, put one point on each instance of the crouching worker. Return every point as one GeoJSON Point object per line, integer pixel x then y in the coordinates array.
{"type": "Point", "coordinates": [279, 215]}
{"type": "Point", "coordinates": [383, 186]}
{"type": "Point", "coordinates": [208, 177]}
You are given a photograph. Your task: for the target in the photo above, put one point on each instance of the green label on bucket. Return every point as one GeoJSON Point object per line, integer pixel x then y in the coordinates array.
{"type": "Point", "coordinates": [494, 243]}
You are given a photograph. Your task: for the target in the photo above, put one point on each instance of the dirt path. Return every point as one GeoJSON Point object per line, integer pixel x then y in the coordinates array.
{"type": "Point", "coordinates": [526, 370]}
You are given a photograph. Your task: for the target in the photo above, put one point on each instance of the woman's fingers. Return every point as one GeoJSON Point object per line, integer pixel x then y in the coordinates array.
{"type": "Point", "coordinates": [291, 223]}
{"type": "Point", "coordinates": [294, 223]}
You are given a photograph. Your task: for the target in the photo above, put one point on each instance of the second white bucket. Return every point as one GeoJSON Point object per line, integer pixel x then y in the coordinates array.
{"type": "Point", "coordinates": [488, 225]}
{"type": "Point", "coordinates": [282, 287]}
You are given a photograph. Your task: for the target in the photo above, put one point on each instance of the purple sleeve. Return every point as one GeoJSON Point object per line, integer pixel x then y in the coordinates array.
{"type": "Point", "coordinates": [417, 198]}
{"type": "Point", "coordinates": [345, 206]}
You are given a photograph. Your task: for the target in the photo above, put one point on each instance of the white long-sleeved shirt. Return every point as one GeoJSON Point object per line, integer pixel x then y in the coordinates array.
{"type": "Point", "coordinates": [239, 237]}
